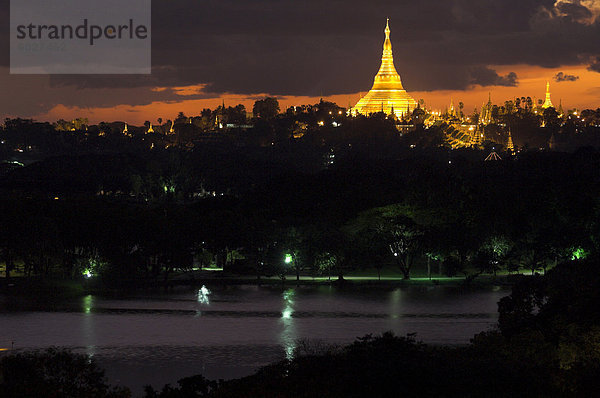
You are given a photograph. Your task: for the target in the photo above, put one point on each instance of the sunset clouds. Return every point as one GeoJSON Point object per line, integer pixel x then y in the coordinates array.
{"type": "Point", "coordinates": [207, 51]}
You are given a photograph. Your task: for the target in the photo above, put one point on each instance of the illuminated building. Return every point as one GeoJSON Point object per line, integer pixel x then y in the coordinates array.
{"type": "Point", "coordinates": [547, 102]}
{"type": "Point", "coordinates": [560, 109]}
{"type": "Point", "coordinates": [451, 111]}
{"type": "Point", "coordinates": [493, 156]}
{"type": "Point", "coordinates": [220, 118]}
{"type": "Point", "coordinates": [150, 129]}
{"type": "Point", "coordinates": [477, 137]}
{"type": "Point", "coordinates": [486, 111]}
{"type": "Point", "coordinates": [387, 94]}
{"type": "Point", "coordinates": [460, 135]}
{"type": "Point", "coordinates": [509, 144]}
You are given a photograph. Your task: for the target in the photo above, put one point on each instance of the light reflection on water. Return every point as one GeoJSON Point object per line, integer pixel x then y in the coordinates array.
{"type": "Point", "coordinates": [158, 338]}
{"type": "Point", "coordinates": [203, 294]}
{"type": "Point", "coordinates": [88, 325]}
{"type": "Point", "coordinates": [288, 334]}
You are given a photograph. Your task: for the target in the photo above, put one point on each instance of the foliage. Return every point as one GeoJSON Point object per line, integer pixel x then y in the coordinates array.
{"type": "Point", "coordinates": [266, 108]}
{"type": "Point", "coordinates": [355, 191]}
{"type": "Point", "coordinates": [548, 344]}
{"type": "Point", "coordinates": [189, 387]}
{"type": "Point", "coordinates": [54, 373]}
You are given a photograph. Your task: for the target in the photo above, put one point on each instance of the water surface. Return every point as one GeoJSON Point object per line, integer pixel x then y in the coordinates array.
{"type": "Point", "coordinates": [231, 331]}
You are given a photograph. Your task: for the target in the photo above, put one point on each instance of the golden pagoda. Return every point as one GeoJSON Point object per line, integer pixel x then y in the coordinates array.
{"type": "Point", "coordinates": [477, 137]}
{"type": "Point", "coordinates": [486, 111]}
{"type": "Point", "coordinates": [451, 111]}
{"type": "Point", "coordinates": [387, 94]}
{"type": "Point", "coordinates": [509, 145]}
{"type": "Point", "coordinates": [547, 102]}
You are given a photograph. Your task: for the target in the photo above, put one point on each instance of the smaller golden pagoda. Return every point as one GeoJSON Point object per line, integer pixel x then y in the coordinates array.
{"type": "Point", "coordinates": [548, 101]}
{"type": "Point", "coordinates": [387, 94]}
{"type": "Point", "coordinates": [477, 136]}
{"type": "Point", "coordinates": [509, 144]}
{"type": "Point", "coordinates": [486, 111]}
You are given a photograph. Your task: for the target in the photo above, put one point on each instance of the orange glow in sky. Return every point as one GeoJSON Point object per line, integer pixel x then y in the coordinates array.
{"type": "Point", "coordinates": [582, 93]}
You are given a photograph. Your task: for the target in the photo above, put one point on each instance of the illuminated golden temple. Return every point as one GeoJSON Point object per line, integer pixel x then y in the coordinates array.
{"type": "Point", "coordinates": [548, 101]}
{"type": "Point", "coordinates": [387, 94]}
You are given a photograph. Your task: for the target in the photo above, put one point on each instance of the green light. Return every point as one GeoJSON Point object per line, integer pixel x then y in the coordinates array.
{"type": "Point", "coordinates": [578, 254]}
{"type": "Point", "coordinates": [88, 303]}
{"type": "Point", "coordinates": [288, 258]}
{"type": "Point", "coordinates": [288, 296]}
{"type": "Point", "coordinates": [87, 273]}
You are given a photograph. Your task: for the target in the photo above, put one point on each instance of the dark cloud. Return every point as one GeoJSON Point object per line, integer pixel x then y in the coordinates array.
{"type": "Point", "coordinates": [510, 80]}
{"type": "Point", "coordinates": [485, 76]}
{"type": "Point", "coordinates": [563, 77]}
{"type": "Point", "coordinates": [35, 94]}
{"type": "Point", "coordinates": [315, 47]}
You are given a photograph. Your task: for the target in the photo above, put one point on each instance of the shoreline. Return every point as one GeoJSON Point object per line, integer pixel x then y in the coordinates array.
{"type": "Point", "coordinates": [34, 287]}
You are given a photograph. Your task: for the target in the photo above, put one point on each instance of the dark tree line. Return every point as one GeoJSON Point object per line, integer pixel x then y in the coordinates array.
{"type": "Point", "coordinates": [132, 217]}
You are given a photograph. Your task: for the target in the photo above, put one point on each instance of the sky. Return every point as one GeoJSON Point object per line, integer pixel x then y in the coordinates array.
{"type": "Point", "coordinates": [205, 52]}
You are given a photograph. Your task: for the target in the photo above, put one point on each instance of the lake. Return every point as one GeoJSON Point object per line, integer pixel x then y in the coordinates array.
{"type": "Point", "coordinates": [230, 331]}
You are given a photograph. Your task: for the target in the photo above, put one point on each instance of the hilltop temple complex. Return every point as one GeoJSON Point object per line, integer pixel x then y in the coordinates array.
{"type": "Point", "coordinates": [462, 132]}
{"type": "Point", "coordinates": [387, 94]}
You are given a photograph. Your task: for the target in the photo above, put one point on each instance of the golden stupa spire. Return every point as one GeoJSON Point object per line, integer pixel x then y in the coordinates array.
{"type": "Point", "coordinates": [387, 93]}
{"type": "Point", "coordinates": [548, 101]}
{"type": "Point", "coordinates": [509, 145]}
{"type": "Point", "coordinates": [387, 43]}
{"type": "Point", "coordinates": [387, 71]}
